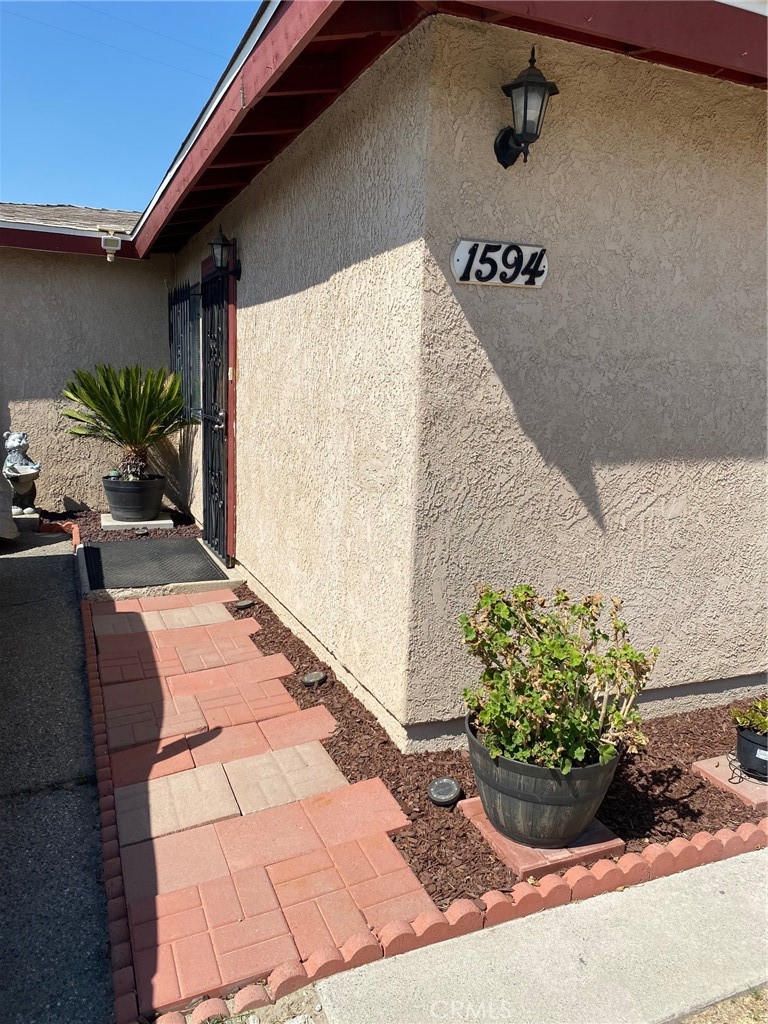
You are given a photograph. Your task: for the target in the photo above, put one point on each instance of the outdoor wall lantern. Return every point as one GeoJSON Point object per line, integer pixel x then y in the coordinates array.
{"type": "Point", "coordinates": [221, 247]}
{"type": "Point", "coordinates": [529, 93]}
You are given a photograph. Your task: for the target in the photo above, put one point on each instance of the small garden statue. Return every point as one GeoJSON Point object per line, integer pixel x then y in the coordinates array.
{"type": "Point", "coordinates": [20, 472]}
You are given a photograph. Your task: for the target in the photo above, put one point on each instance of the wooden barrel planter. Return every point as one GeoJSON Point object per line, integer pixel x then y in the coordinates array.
{"type": "Point", "coordinates": [752, 752]}
{"type": "Point", "coordinates": [134, 501]}
{"type": "Point", "coordinates": [537, 806]}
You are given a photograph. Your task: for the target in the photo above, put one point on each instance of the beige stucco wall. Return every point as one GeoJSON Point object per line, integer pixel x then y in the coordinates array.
{"type": "Point", "coordinates": [400, 439]}
{"type": "Point", "coordinates": [63, 312]}
{"type": "Point", "coordinates": [606, 432]}
{"type": "Point", "coordinates": [329, 305]}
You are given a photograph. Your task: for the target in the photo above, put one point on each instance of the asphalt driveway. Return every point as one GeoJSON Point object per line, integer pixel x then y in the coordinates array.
{"type": "Point", "coordinates": [54, 963]}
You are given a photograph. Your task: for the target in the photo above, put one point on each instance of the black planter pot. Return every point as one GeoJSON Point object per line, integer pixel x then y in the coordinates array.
{"type": "Point", "coordinates": [131, 501]}
{"type": "Point", "coordinates": [537, 806]}
{"type": "Point", "coordinates": [752, 752]}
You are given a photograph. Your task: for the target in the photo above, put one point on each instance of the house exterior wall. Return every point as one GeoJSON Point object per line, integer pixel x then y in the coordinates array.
{"type": "Point", "coordinates": [59, 313]}
{"type": "Point", "coordinates": [606, 432]}
{"type": "Point", "coordinates": [330, 238]}
{"type": "Point", "coordinates": [400, 438]}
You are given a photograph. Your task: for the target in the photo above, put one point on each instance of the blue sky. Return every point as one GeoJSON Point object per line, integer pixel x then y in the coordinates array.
{"type": "Point", "coordinates": [96, 121]}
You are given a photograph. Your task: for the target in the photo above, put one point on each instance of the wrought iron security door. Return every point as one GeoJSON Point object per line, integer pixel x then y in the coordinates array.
{"type": "Point", "coordinates": [215, 425]}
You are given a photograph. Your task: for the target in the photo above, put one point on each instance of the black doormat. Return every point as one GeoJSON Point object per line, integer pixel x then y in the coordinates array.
{"type": "Point", "coordinates": [116, 564]}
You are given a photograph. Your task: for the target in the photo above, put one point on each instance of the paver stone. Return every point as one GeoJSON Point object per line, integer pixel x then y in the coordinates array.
{"type": "Point", "coordinates": [283, 776]}
{"type": "Point", "coordinates": [173, 803]}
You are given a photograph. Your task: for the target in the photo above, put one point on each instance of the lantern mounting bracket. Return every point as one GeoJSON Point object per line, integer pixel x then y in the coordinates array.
{"type": "Point", "coordinates": [508, 149]}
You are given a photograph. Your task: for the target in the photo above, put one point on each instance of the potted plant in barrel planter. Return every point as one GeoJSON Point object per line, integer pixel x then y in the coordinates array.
{"type": "Point", "coordinates": [134, 409]}
{"type": "Point", "coordinates": [553, 712]}
{"type": "Point", "coordinates": [752, 738]}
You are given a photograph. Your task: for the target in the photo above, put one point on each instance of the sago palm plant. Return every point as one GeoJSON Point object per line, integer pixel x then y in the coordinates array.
{"type": "Point", "coordinates": [132, 408]}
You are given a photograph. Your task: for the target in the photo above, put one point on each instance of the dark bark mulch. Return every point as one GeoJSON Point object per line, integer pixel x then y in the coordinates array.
{"type": "Point", "coordinates": [89, 523]}
{"type": "Point", "coordinates": [655, 796]}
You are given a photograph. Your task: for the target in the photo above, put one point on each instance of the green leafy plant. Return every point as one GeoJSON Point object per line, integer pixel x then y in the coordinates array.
{"type": "Point", "coordinates": [754, 717]}
{"type": "Point", "coordinates": [559, 683]}
{"type": "Point", "coordinates": [131, 407]}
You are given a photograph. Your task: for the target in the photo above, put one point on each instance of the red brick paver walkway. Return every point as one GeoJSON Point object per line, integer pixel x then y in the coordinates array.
{"type": "Point", "coordinates": [219, 894]}
{"type": "Point", "coordinates": [144, 655]}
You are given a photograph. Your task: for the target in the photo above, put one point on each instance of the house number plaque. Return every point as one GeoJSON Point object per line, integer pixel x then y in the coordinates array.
{"type": "Point", "coordinates": [506, 263]}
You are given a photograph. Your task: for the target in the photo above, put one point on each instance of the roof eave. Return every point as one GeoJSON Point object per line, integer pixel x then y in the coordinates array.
{"type": "Point", "coordinates": [60, 239]}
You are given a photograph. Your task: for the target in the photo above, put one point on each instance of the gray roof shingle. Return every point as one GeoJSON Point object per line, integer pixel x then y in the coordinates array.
{"type": "Point", "coordinates": [83, 217]}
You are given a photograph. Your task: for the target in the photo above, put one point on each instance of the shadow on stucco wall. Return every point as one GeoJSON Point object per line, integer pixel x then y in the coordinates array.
{"type": "Point", "coordinates": [646, 344]}
{"type": "Point", "coordinates": [615, 444]}
{"type": "Point", "coordinates": [629, 388]}
{"type": "Point", "coordinates": [173, 458]}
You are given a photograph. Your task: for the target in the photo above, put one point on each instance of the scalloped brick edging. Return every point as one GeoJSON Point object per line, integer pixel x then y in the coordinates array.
{"type": "Point", "coordinates": [121, 954]}
{"type": "Point", "coordinates": [461, 917]}
{"type": "Point", "coordinates": [464, 916]}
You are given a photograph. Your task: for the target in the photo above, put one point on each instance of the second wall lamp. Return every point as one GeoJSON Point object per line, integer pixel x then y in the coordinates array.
{"type": "Point", "coordinates": [221, 247]}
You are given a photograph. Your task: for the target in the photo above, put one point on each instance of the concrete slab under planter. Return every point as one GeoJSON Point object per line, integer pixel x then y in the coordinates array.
{"type": "Point", "coordinates": [593, 844]}
{"type": "Point", "coordinates": [718, 771]}
{"type": "Point", "coordinates": [27, 522]}
{"type": "Point", "coordinates": [161, 523]}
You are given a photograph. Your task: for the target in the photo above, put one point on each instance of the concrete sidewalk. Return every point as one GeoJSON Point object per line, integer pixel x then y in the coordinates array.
{"type": "Point", "coordinates": [651, 954]}
{"type": "Point", "coordinates": [54, 963]}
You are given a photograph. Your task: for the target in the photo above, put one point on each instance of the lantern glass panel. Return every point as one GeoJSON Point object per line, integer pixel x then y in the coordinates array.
{"type": "Point", "coordinates": [528, 107]}
{"type": "Point", "coordinates": [542, 111]}
{"type": "Point", "coordinates": [220, 250]}
{"type": "Point", "coordinates": [518, 109]}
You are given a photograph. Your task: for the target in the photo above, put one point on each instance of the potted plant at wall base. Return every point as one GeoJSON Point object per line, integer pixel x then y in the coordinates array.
{"type": "Point", "coordinates": [752, 738]}
{"type": "Point", "coordinates": [134, 409]}
{"type": "Point", "coordinates": [554, 710]}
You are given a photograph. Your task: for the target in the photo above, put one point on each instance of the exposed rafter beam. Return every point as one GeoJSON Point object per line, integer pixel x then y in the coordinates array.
{"type": "Point", "coordinates": [356, 20]}
{"type": "Point", "coordinates": [220, 179]}
{"type": "Point", "coordinates": [194, 216]}
{"type": "Point", "coordinates": [207, 198]}
{"type": "Point", "coordinates": [242, 152]}
{"type": "Point", "coordinates": [309, 76]}
{"type": "Point", "coordinates": [234, 183]}
{"type": "Point", "coordinates": [284, 116]}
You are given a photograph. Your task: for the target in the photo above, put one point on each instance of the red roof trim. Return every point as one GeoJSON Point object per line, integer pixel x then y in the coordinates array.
{"type": "Point", "coordinates": [53, 241]}
{"type": "Point", "coordinates": [700, 36]}
{"type": "Point", "coordinates": [720, 36]}
{"type": "Point", "coordinates": [286, 36]}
